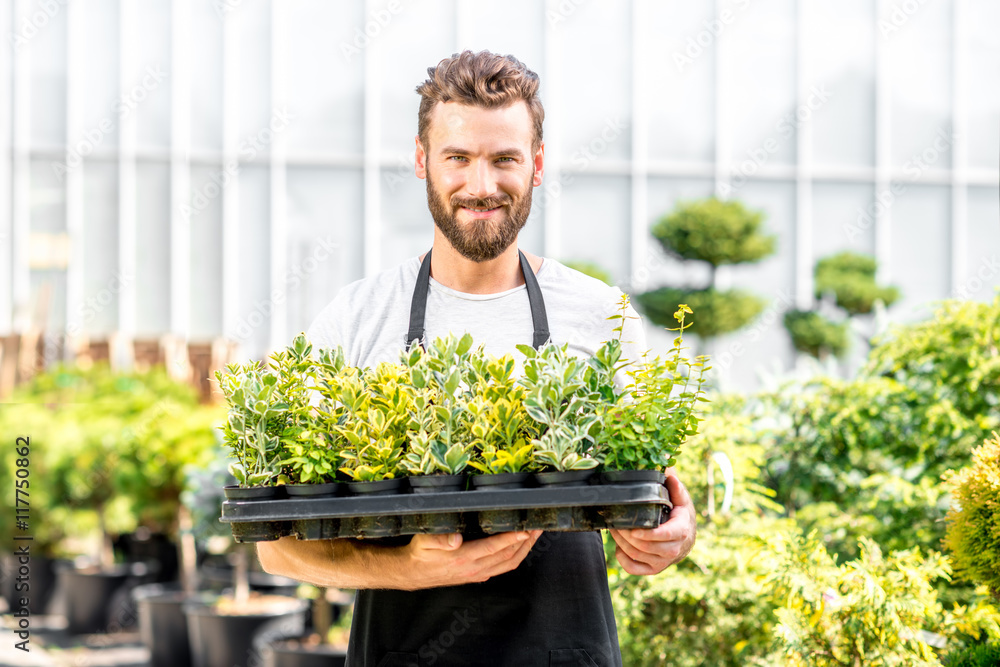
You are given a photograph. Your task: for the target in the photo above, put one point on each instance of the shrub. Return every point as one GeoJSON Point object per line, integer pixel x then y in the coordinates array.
{"type": "Point", "coordinates": [851, 278]}
{"type": "Point", "coordinates": [973, 534]}
{"type": "Point", "coordinates": [815, 335]}
{"type": "Point", "coordinates": [714, 231]}
{"type": "Point", "coordinates": [715, 312]}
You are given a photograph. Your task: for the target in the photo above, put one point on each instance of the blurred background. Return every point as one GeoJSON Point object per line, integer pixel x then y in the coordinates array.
{"type": "Point", "coordinates": [214, 171]}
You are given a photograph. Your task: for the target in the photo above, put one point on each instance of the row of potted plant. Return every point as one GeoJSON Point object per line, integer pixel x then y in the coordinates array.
{"type": "Point", "coordinates": [307, 421]}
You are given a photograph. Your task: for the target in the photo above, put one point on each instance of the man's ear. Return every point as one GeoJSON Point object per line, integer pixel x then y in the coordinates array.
{"type": "Point", "coordinates": [539, 160]}
{"type": "Point", "coordinates": [420, 160]}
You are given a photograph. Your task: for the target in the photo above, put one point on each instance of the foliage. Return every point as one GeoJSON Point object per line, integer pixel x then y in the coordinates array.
{"type": "Point", "coordinates": [851, 278]}
{"type": "Point", "coordinates": [876, 610]}
{"type": "Point", "coordinates": [590, 269]}
{"type": "Point", "coordinates": [714, 231]}
{"type": "Point", "coordinates": [257, 420]}
{"type": "Point", "coordinates": [657, 412]}
{"type": "Point", "coordinates": [973, 535]}
{"type": "Point", "coordinates": [717, 312]}
{"type": "Point", "coordinates": [501, 429]}
{"type": "Point", "coordinates": [815, 335]}
{"type": "Point", "coordinates": [979, 655]}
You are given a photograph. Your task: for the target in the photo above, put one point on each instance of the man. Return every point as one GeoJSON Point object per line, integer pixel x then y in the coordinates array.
{"type": "Point", "coordinates": [515, 598]}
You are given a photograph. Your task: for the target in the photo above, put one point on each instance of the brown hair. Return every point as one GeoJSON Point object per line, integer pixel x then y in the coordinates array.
{"type": "Point", "coordinates": [481, 79]}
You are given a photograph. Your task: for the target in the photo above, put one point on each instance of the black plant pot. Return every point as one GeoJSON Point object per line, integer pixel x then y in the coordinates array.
{"type": "Point", "coordinates": [155, 550]}
{"type": "Point", "coordinates": [327, 490]}
{"type": "Point", "coordinates": [631, 477]}
{"type": "Point", "coordinates": [564, 478]}
{"type": "Point", "coordinates": [97, 601]}
{"type": "Point", "coordinates": [501, 521]}
{"type": "Point", "coordinates": [254, 492]}
{"type": "Point", "coordinates": [162, 624]}
{"type": "Point", "coordinates": [41, 573]}
{"type": "Point", "coordinates": [504, 480]}
{"type": "Point", "coordinates": [437, 483]}
{"type": "Point", "coordinates": [294, 653]}
{"type": "Point", "coordinates": [381, 487]}
{"type": "Point", "coordinates": [230, 640]}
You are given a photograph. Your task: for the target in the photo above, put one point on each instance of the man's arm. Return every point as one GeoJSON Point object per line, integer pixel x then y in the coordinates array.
{"type": "Point", "coordinates": [428, 561]}
{"type": "Point", "coordinates": [652, 550]}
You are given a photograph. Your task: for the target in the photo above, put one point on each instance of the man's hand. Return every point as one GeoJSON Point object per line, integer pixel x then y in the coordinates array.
{"type": "Point", "coordinates": [652, 550]}
{"type": "Point", "coordinates": [444, 560]}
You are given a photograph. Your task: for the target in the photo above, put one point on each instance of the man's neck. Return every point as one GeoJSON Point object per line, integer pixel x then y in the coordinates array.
{"type": "Point", "coordinates": [451, 269]}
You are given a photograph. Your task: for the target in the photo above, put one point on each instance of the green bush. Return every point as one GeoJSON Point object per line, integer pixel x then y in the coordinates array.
{"type": "Point", "coordinates": [714, 231]}
{"type": "Point", "coordinates": [980, 655]}
{"type": "Point", "coordinates": [715, 312]}
{"type": "Point", "coordinates": [815, 335]}
{"type": "Point", "coordinates": [973, 535]}
{"type": "Point", "coordinates": [851, 278]}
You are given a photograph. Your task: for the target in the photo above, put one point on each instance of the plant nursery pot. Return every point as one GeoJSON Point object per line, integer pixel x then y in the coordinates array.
{"type": "Point", "coordinates": [437, 483]}
{"type": "Point", "coordinates": [299, 653]}
{"type": "Point", "coordinates": [162, 625]}
{"type": "Point", "coordinates": [631, 477]}
{"type": "Point", "coordinates": [156, 550]}
{"type": "Point", "coordinates": [234, 492]}
{"type": "Point", "coordinates": [500, 521]}
{"type": "Point", "coordinates": [42, 574]}
{"type": "Point", "coordinates": [564, 478]}
{"type": "Point", "coordinates": [327, 490]}
{"type": "Point", "coordinates": [96, 601]}
{"type": "Point", "coordinates": [504, 480]}
{"type": "Point", "coordinates": [228, 638]}
{"type": "Point", "coordinates": [635, 516]}
{"type": "Point", "coordinates": [371, 526]}
{"type": "Point", "coordinates": [381, 487]}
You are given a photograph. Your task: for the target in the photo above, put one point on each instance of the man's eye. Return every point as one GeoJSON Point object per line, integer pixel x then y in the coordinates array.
{"type": "Point", "coordinates": [505, 159]}
{"type": "Point", "coordinates": [457, 157]}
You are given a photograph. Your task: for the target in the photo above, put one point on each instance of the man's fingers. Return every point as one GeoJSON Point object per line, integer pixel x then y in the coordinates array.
{"type": "Point", "coordinates": [448, 542]}
{"type": "Point", "coordinates": [630, 565]}
{"type": "Point", "coordinates": [633, 551]}
{"type": "Point", "coordinates": [494, 544]}
{"type": "Point", "coordinates": [521, 550]}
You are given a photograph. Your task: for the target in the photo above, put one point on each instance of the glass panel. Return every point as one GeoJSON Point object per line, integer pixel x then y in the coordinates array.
{"type": "Point", "coordinates": [324, 77]}
{"type": "Point", "coordinates": [982, 60]}
{"type": "Point", "coordinates": [42, 32]}
{"type": "Point", "coordinates": [681, 90]}
{"type": "Point", "coordinates": [152, 289]}
{"type": "Point", "coordinates": [407, 226]}
{"type": "Point", "coordinates": [206, 76]}
{"type": "Point", "coordinates": [843, 218]}
{"type": "Point", "coordinates": [982, 268]}
{"type": "Point", "coordinates": [756, 108]}
{"type": "Point", "coordinates": [595, 223]}
{"type": "Point", "coordinates": [100, 107]}
{"type": "Point", "coordinates": [920, 249]}
{"type": "Point", "coordinates": [253, 25]}
{"type": "Point", "coordinates": [102, 279]}
{"type": "Point", "coordinates": [253, 291]}
{"type": "Point", "coordinates": [48, 299]}
{"type": "Point", "coordinates": [840, 63]}
{"type": "Point", "coordinates": [206, 257]}
{"type": "Point", "coordinates": [48, 198]}
{"type": "Point", "coordinates": [148, 80]}
{"type": "Point", "coordinates": [403, 62]}
{"type": "Point", "coordinates": [325, 239]}
{"type": "Point", "coordinates": [506, 26]}
{"type": "Point", "coordinates": [596, 37]}
{"type": "Point", "coordinates": [919, 47]}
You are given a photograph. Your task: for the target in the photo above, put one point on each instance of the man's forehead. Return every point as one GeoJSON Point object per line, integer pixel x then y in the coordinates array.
{"type": "Point", "coordinates": [452, 121]}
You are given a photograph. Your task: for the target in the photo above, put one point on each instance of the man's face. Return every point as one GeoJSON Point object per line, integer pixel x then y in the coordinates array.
{"type": "Point", "coordinates": [480, 170]}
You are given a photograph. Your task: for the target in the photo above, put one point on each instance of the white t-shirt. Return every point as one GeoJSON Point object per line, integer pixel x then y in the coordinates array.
{"type": "Point", "coordinates": [370, 317]}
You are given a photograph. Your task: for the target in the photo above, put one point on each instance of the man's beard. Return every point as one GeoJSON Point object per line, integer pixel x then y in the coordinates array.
{"type": "Point", "coordinates": [480, 240]}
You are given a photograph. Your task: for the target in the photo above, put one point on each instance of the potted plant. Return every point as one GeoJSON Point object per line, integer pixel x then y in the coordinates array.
{"type": "Point", "coordinates": [326, 645]}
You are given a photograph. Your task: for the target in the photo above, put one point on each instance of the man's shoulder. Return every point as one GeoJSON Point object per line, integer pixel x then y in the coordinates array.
{"type": "Point", "coordinates": [556, 276]}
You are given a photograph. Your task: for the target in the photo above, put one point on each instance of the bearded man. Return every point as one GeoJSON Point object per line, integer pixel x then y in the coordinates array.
{"type": "Point", "coordinates": [523, 598]}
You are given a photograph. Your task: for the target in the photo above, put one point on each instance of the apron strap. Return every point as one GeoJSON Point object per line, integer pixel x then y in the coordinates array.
{"type": "Point", "coordinates": [418, 305]}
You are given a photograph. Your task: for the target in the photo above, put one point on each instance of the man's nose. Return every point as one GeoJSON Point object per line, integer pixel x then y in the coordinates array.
{"type": "Point", "coordinates": [482, 182]}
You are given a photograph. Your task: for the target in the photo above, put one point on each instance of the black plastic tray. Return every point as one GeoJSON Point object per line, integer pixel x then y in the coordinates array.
{"type": "Point", "coordinates": [572, 508]}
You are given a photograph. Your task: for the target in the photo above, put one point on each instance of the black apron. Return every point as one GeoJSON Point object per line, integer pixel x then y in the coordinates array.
{"type": "Point", "coordinates": [554, 610]}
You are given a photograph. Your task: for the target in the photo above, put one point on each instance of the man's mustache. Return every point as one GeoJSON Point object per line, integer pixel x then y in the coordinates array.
{"type": "Point", "coordinates": [489, 202]}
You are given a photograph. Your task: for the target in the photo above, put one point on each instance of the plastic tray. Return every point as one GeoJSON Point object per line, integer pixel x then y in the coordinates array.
{"type": "Point", "coordinates": [572, 508]}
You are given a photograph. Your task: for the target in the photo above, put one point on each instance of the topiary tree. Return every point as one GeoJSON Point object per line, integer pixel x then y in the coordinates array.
{"type": "Point", "coordinates": [719, 233]}
{"type": "Point", "coordinates": [815, 335]}
{"type": "Point", "coordinates": [973, 534]}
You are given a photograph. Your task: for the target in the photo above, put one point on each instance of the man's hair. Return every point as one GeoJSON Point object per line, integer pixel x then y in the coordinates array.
{"type": "Point", "coordinates": [481, 79]}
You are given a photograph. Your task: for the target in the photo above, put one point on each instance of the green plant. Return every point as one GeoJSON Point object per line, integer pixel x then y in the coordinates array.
{"type": "Point", "coordinates": [815, 335]}
{"type": "Point", "coordinates": [645, 428]}
{"type": "Point", "coordinates": [256, 422]}
{"type": "Point", "coordinates": [718, 312]}
{"type": "Point", "coordinates": [378, 403]}
{"type": "Point", "coordinates": [980, 655]}
{"type": "Point", "coordinates": [973, 535]}
{"type": "Point", "coordinates": [850, 277]}
{"type": "Point", "coordinates": [876, 610]}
